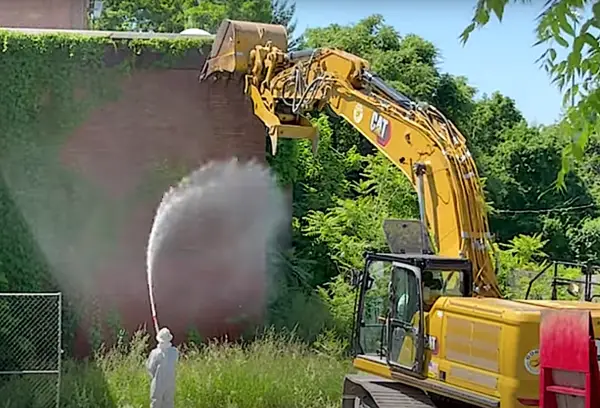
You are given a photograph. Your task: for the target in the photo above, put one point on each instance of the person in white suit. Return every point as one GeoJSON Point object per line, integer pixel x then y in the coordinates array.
{"type": "Point", "coordinates": [161, 366]}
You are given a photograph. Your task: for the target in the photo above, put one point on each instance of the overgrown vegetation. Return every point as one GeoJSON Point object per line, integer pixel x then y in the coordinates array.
{"type": "Point", "coordinates": [275, 371]}
{"type": "Point", "coordinates": [341, 197]}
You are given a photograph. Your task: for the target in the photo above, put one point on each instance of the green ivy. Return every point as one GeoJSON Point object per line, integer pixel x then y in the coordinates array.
{"type": "Point", "coordinates": [50, 84]}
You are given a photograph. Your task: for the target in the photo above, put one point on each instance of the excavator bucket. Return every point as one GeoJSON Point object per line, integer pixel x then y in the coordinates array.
{"type": "Point", "coordinates": [231, 50]}
{"type": "Point", "coordinates": [234, 41]}
{"type": "Point", "coordinates": [407, 237]}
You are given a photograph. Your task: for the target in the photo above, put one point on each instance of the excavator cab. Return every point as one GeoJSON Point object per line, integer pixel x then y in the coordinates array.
{"type": "Point", "coordinates": [395, 294]}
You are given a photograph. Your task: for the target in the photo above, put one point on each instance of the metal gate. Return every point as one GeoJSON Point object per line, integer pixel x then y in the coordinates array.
{"type": "Point", "coordinates": [30, 349]}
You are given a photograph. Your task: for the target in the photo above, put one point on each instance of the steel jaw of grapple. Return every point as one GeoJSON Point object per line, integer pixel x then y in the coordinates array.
{"type": "Point", "coordinates": [407, 237]}
{"type": "Point", "coordinates": [235, 40]}
{"type": "Point", "coordinates": [231, 52]}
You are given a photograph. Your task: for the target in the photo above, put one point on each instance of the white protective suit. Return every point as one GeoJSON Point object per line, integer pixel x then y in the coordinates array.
{"type": "Point", "coordinates": [161, 366]}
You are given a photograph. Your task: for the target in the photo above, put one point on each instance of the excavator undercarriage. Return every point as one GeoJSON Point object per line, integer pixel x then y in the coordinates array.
{"type": "Point", "coordinates": [374, 392]}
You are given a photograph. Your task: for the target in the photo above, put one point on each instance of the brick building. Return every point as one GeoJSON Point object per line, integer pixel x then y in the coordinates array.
{"type": "Point", "coordinates": [62, 14]}
{"type": "Point", "coordinates": [161, 115]}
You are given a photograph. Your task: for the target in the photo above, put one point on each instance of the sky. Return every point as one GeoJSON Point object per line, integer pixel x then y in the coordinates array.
{"type": "Point", "coordinates": [499, 57]}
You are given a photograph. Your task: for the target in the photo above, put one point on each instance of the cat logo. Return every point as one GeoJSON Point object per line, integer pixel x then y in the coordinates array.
{"type": "Point", "coordinates": [380, 126]}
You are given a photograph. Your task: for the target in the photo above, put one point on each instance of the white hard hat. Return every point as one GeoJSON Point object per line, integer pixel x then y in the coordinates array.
{"type": "Point", "coordinates": [164, 335]}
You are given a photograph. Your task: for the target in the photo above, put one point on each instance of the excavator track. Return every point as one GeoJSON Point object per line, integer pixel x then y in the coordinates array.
{"type": "Point", "coordinates": [362, 391]}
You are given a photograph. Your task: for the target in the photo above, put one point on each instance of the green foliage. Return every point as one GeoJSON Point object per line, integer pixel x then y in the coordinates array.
{"type": "Point", "coordinates": [39, 75]}
{"type": "Point", "coordinates": [317, 182]}
{"type": "Point", "coordinates": [322, 179]}
{"type": "Point", "coordinates": [520, 178]}
{"type": "Point", "coordinates": [520, 256]}
{"type": "Point", "coordinates": [22, 266]}
{"type": "Point", "coordinates": [209, 14]}
{"type": "Point", "coordinates": [569, 31]}
{"type": "Point", "coordinates": [173, 16]}
{"type": "Point", "coordinates": [491, 118]}
{"type": "Point", "coordinates": [354, 225]}
{"type": "Point", "coordinates": [522, 259]}
{"type": "Point", "coordinates": [526, 249]}
{"type": "Point", "coordinates": [585, 241]}
{"type": "Point", "coordinates": [340, 298]}
{"type": "Point", "coordinates": [143, 15]}
{"type": "Point", "coordinates": [454, 97]}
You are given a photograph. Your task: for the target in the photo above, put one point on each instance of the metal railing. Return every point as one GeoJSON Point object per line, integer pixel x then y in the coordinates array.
{"type": "Point", "coordinates": [30, 349]}
{"type": "Point", "coordinates": [588, 279]}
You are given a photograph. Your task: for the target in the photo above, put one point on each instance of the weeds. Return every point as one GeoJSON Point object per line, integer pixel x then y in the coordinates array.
{"type": "Point", "coordinates": [272, 372]}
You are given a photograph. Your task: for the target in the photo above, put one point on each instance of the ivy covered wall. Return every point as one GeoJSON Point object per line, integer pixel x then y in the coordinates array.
{"type": "Point", "coordinates": [92, 131]}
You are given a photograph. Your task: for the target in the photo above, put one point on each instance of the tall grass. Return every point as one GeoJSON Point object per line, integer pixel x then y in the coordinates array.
{"type": "Point", "coordinates": [273, 372]}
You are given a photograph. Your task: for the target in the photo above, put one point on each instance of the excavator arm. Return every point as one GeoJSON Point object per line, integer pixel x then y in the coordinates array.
{"type": "Point", "coordinates": [427, 147]}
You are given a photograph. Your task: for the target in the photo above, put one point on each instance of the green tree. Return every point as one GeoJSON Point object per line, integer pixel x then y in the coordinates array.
{"type": "Point", "coordinates": [568, 29]}
{"type": "Point", "coordinates": [209, 14]}
{"type": "Point", "coordinates": [317, 183]}
{"type": "Point", "coordinates": [585, 240]}
{"type": "Point", "coordinates": [491, 118]}
{"type": "Point", "coordinates": [520, 177]}
{"type": "Point", "coordinates": [143, 15]}
{"type": "Point", "coordinates": [589, 168]}
{"type": "Point", "coordinates": [173, 16]}
{"type": "Point", "coordinates": [354, 224]}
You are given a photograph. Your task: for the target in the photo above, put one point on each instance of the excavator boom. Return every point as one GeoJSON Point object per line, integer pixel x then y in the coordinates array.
{"type": "Point", "coordinates": [417, 138]}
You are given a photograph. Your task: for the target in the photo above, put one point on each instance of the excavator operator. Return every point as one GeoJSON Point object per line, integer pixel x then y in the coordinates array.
{"type": "Point", "coordinates": [432, 288]}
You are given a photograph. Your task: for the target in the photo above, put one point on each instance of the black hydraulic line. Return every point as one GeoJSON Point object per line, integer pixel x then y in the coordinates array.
{"type": "Point", "coordinates": [297, 55]}
{"type": "Point", "coordinates": [387, 90]}
{"type": "Point", "coordinates": [369, 77]}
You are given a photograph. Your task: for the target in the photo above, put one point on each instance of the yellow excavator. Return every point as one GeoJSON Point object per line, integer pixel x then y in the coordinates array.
{"type": "Point", "coordinates": [431, 326]}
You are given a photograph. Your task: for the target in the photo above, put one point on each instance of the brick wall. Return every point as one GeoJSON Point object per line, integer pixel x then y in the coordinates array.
{"type": "Point", "coordinates": [161, 116]}
{"type": "Point", "coordinates": [63, 14]}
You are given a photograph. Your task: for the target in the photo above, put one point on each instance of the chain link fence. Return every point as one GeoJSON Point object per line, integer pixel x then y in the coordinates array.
{"type": "Point", "coordinates": [30, 349]}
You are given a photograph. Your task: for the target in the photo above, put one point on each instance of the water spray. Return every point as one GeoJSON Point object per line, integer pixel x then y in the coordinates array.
{"type": "Point", "coordinates": [229, 202]}
{"type": "Point", "coordinates": [150, 261]}
{"type": "Point", "coordinates": [154, 243]}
